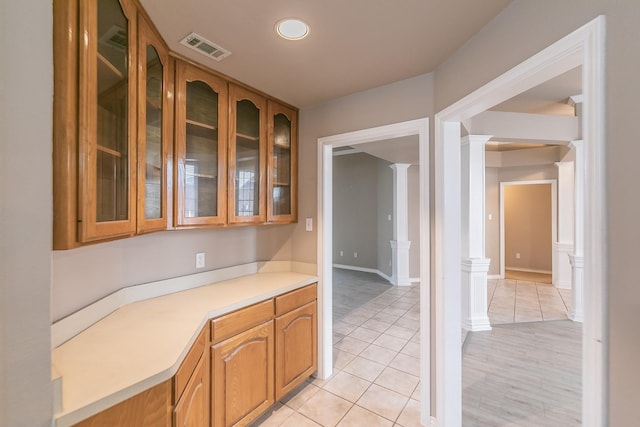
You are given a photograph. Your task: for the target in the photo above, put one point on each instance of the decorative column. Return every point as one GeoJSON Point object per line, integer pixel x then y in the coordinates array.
{"type": "Point", "coordinates": [400, 244]}
{"type": "Point", "coordinates": [577, 258]}
{"type": "Point", "coordinates": [474, 264]}
{"type": "Point", "coordinates": [564, 246]}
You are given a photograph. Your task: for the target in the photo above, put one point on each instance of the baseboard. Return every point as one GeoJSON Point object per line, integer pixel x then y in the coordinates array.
{"type": "Point", "coordinates": [528, 270]}
{"type": "Point", "coordinates": [363, 269]}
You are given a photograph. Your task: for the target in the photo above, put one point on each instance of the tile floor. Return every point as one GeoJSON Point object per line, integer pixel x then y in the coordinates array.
{"type": "Point", "coordinates": [376, 369]}
{"type": "Point", "coordinates": [376, 361]}
{"type": "Point", "coordinates": [515, 301]}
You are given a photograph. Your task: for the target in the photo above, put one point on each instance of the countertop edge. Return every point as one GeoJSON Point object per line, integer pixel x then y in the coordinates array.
{"type": "Point", "coordinates": [69, 417]}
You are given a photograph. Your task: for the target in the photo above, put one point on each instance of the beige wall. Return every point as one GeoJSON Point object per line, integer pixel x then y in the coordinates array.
{"type": "Point", "coordinates": [492, 226]}
{"type": "Point", "coordinates": [527, 227]}
{"type": "Point", "coordinates": [355, 210]}
{"type": "Point", "coordinates": [397, 102]}
{"type": "Point", "coordinates": [523, 29]}
{"type": "Point", "coordinates": [26, 90]}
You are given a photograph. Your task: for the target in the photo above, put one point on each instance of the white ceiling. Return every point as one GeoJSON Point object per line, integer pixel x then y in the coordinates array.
{"type": "Point", "coordinates": [353, 45]}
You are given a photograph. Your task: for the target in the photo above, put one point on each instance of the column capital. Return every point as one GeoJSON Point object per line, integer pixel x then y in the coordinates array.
{"type": "Point", "coordinates": [400, 166]}
{"type": "Point", "coordinates": [564, 164]}
{"type": "Point", "coordinates": [475, 139]}
{"type": "Point", "coordinates": [578, 144]}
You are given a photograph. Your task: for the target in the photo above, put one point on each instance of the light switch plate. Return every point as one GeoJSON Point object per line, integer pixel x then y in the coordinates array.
{"type": "Point", "coordinates": [309, 224]}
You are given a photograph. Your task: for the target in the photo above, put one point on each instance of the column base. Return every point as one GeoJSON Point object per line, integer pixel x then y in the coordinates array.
{"type": "Point", "coordinates": [577, 297]}
{"type": "Point", "coordinates": [475, 316]}
{"type": "Point", "coordinates": [400, 262]}
{"type": "Point", "coordinates": [562, 265]}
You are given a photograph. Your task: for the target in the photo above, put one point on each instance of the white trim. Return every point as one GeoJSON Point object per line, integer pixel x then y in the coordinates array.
{"type": "Point", "coordinates": [586, 47]}
{"type": "Point", "coordinates": [418, 127]}
{"type": "Point", "coordinates": [363, 269]}
{"type": "Point", "coordinates": [494, 277]}
{"type": "Point", "coordinates": [554, 217]}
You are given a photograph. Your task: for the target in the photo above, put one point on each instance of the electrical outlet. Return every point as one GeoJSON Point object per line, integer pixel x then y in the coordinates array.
{"type": "Point", "coordinates": [355, 254]}
{"type": "Point", "coordinates": [389, 217]}
{"type": "Point", "coordinates": [200, 260]}
{"type": "Point", "coordinates": [341, 253]}
{"type": "Point", "coordinates": [517, 255]}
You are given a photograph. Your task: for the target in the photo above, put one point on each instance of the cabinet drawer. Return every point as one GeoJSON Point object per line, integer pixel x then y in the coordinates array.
{"type": "Point", "coordinates": [189, 364]}
{"type": "Point", "coordinates": [233, 323]}
{"type": "Point", "coordinates": [295, 299]}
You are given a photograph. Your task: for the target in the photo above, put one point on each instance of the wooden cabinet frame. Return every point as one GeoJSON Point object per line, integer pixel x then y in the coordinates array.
{"type": "Point", "coordinates": [237, 93]}
{"type": "Point", "coordinates": [148, 36]}
{"type": "Point", "coordinates": [274, 108]}
{"type": "Point", "coordinates": [89, 228]}
{"type": "Point", "coordinates": [188, 73]}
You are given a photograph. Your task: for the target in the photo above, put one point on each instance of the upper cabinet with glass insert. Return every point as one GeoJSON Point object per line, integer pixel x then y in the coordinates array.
{"type": "Point", "coordinates": [107, 119]}
{"type": "Point", "coordinates": [282, 157]}
{"type": "Point", "coordinates": [144, 140]}
{"type": "Point", "coordinates": [201, 135]}
{"type": "Point", "coordinates": [247, 156]}
{"type": "Point", "coordinates": [154, 130]}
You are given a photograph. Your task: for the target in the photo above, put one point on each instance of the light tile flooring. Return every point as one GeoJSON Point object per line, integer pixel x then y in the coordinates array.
{"type": "Point", "coordinates": [376, 363]}
{"type": "Point", "coordinates": [376, 369]}
{"type": "Point", "coordinates": [515, 300]}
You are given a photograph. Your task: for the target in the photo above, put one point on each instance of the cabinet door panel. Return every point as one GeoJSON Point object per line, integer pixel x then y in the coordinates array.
{"type": "Point", "coordinates": [242, 373]}
{"type": "Point", "coordinates": [201, 134]}
{"type": "Point", "coordinates": [153, 130]}
{"type": "Point", "coordinates": [282, 177]}
{"type": "Point", "coordinates": [192, 410]}
{"type": "Point", "coordinates": [296, 348]}
{"type": "Point", "coordinates": [107, 119]}
{"type": "Point", "coordinates": [247, 156]}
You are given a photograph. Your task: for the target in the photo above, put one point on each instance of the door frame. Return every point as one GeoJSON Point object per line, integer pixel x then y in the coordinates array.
{"type": "Point", "coordinates": [586, 47]}
{"type": "Point", "coordinates": [554, 216]}
{"type": "Point", "coordinates": [419, 127]}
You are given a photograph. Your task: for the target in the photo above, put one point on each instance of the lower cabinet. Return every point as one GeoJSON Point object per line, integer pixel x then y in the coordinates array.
{"type": "Point", "coordinates": [242, 376]}
{"type": "Point", "coordinates": [296, 348]}
{"type": "Point", "coordinates": [235, 370]}
{"type": "Point", "coordinates": [192, 409]}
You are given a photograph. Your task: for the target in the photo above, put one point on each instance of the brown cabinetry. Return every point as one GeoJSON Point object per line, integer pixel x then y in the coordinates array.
{"type": "Point", "coordinates": [247, 156]}
{"type": "Point", "coordinates": [201, 155]}
{"type": "Point", "coordinates": [235, 370]}
{"type": "Point", "coordinates": [296, 339]}
{"type": "Point", "coordinates": [282, 154]}
{"type": "Point", "coordinates": [111, 134]}
{"type": "Point", "coordinates": [242, 376]}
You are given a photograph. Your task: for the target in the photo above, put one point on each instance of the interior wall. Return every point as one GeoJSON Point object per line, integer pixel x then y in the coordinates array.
{"type": "Point", "coordinates": [397, 102]}
{"type": "Point", "coordinates": [413, 182]}
{"type": "Point", "coordinates": [527, 226]}
{"type": "Point", "coordinates": [492, 226]}
{"type": "Point", "coordinates": [355, 210]}
{"type": "Point", "coordinates": [82, 276]}
{"type": "Point", "coordinates": [26, 92]}
{"type": "Point", "coordinates": [520, 31]}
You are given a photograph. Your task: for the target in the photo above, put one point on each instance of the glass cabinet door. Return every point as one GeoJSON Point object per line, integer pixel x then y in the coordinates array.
{"type": "Point", "coordinates": [247, 156]}
{"type": "Point", "coordinates": [201, 118]}
{"type": "Point", "coordinates": [106, 114]}
{"type": "Point", "coordinates": [283, 164]}
{"type": "Point", "coordinates": [152, 130]}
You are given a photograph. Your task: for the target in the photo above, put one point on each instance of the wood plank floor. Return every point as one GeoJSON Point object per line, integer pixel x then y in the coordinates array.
{"type": "Point", "coordinates": [526, 374]}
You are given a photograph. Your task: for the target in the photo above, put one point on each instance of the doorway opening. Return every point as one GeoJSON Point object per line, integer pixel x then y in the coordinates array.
{"type": "Point", "coordinates": [584, 47]}
{"type": "Point", "coordinates": [326, 146]}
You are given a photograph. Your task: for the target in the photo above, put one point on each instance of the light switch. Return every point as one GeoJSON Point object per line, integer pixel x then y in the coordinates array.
{"type": "Point", "coordinates": [309, 224]}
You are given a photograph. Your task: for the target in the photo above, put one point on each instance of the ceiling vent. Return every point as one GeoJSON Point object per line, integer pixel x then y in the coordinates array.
{"type": "Point", "coordinates": [205, 47]}
{"type": "Point", "coordinates": [115, 37]}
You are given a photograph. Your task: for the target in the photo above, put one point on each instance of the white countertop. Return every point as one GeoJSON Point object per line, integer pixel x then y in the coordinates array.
{"type": "Point", "coordinates": [143, 344]}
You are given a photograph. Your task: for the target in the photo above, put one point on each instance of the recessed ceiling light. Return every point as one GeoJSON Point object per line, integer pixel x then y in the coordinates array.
{"type": "Point", "coordinates": [292, 29]}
